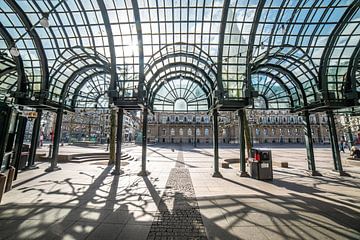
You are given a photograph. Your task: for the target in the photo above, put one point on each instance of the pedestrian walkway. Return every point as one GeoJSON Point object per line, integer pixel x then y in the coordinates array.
{"type": "Point", "coordinates": [180, 199]}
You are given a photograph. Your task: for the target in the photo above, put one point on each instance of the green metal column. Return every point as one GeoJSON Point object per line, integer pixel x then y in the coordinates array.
{"type": "Point", "coordinates": [119, 140]}
{"type": "Point", "coordinates": [195, 132]}
{"type": "Point", "coordinates": [112, 136]}
{"type": "Point", "coordinates": [57, 136]}
{"type": "Point", "coordinates": [334, 143]}
{"type": "Point", "coordinates": [309, 144]}
{"type": "Point", "coordinates": [349, 132]}
{"type": "Point", "coordinates": [242, 172]}
{"type": "Point", "coordinates": [5, 117]}
{"type": "Point", "coordinates": [143, 171]}
{"type": "Point", "coordinates": [34, 139]}
{"type": "Point", "coordinates": [216, 143]}
{"type": "Point", "coordinates": [19, 139]}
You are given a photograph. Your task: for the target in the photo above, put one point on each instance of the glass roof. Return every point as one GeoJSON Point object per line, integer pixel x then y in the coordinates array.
{"type": "Point", "coordinates": [307, 48]}
{"type": "Point", "coordinates": [180, 94]}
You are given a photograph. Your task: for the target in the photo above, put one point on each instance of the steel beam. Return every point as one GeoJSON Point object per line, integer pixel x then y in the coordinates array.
{"type": "Point", "coordinates": [325, 58]}
{"type": "Point", "coordinates": [224, 20]}
{"type": "Point", "coordinates": [249, 54]}
{"type": "Point", "coordinates": [215, 114]}
{"type": "Point", "coordinates": [335, 144]}
{"type": "Point", "coordinates": [34, 139]}
{"type": "Point", "coordinates": [57, 137]}
{"type": "Point", "coordinates": [309, 144]}
{"type": "Point", "coordinates": [37, 41]}
{"type": "Point", "coordinates": [114, 76]}
{"type": "Point", "coordinates": [141, 50]}
{"type": "Point", "coordinates": [242, 172]}
{"type": "Point", "coordinates": [18, 60]}
{"type": "Point", "coordinates": [120, 116]}
{"type": "Point", "coordinates": [143, 171]}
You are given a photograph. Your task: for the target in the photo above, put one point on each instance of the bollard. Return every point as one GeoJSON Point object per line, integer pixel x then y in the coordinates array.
{"type": "Point", "coordinates": [2, 185]}
{"type": "Point", "coordinates": [10, 179]}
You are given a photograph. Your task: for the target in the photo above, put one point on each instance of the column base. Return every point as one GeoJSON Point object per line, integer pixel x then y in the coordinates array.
{"type": "Point", "coordinates": [344, 174]}
{"type": "Point", "coordinates": [314, 173]}
{"type": "Point", "coordinates": [143, 173]}
{"type": "Point", "coordinates": [115, 172]}
{"type": "Point", "coordinates": [217, 175]}
{"type": "Point", "coordinates": [32, 167]}
{"type": "Point", "coordinates": [53, 169]}
{"type": "Point", "coordinates": [242, 174]}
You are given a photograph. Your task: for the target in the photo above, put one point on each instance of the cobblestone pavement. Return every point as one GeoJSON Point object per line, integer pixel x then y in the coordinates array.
{"type": "Point", "coordinates": [178, 216]}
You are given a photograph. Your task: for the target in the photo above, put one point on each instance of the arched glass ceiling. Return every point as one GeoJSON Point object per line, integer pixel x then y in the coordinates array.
{"type": "Point", "coordinates": [176, 55]}
{"type": "Point", "coordinates": [18, 23]}
{"type": "Point", "coordinates": [180, 95]}
{"type": "Point", "coordinates": [341, 46]}
{"type": "Point", "coordinates": [273, 94]}
{"type": "Point", "coordinates": [295, 63]}
{"type": "Point", "coordinates": [230, 33]}
{"type": "Point", "coordinates": [69, 68]}
{"type": "Point", "coordinates": [293, 88]}
{"type": "Point", "coordinates": [92, 93]}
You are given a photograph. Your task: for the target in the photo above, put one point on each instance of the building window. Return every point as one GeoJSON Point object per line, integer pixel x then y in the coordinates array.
{"type": "Point", "coordinates": [207, 132]}
{"type": "Point", "coordinates": [189, 132]}
{"type": "Point", "coordinates": [198, 132]}
{"type": "Point", "coordinates": [172, 132]}
{"type": "Point", "coordinates": [181, 132]}
{"type": "Point", "coordinates": [164, 131]}
{"type": "Point", "coordinates": [206, 119]}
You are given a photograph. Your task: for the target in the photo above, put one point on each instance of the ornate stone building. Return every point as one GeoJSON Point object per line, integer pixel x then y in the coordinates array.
{"type": "Point", "coordinates": [264, 127]}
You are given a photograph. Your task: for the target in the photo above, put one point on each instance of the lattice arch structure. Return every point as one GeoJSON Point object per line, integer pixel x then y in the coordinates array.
{"type": "Point", "coordinates": [72, 71]}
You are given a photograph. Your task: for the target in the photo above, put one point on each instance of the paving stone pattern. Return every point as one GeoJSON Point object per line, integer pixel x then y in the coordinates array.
{"type": "Point", "coordinates": [179, 215]}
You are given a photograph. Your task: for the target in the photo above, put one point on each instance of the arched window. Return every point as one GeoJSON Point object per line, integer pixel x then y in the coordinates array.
{"type": "Point", "coordinates": [189, 132]}
{"type": "Point", "coordinates": [206, 132]}
{"type": "Point", "coordinates": [181, 132]}
{"type": "Point", "coordinates": [172, 132]}
{"type": "Point", "coordinates": [198, 133]}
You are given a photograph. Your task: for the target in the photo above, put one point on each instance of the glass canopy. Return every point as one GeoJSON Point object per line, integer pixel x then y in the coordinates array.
{"type": "Point", "coordinates": [294, 54]}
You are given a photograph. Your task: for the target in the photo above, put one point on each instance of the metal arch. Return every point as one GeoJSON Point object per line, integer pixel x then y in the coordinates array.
{"type": "Point", "coordinates": [7, 71]}
{"type": "Point", "coordinates": [183, 65]}
{"type": "Point", "coordinates": [64, 89]}
{"type": "Point", "coordinates": [43, 59]}
{"type": "Point", "coordinates": [301, 50]}
{"type": "Point", "coordinates": [275, 27]}
{"type": "Point", "coordinates": [350, 84]}
{"type": "Point", "coordinates": [224, 16]}
{"type": "Point", "coordinates": [75, 56]}
{"type": "Point", "coordinates": [266, 102]}
{"type": "Point", "coordinates": [331, 42]}
{"type": "Point", "coordinates": [280, 82]}
{"type": "Point", "coordinates": [82, 83]}
{"type": "Point", "coordinates": [88, 24]}
{"type": "Point", "coordinates": [18, 60]}
{"type": "Point", "coordinates": [283, 58]}
{"type": "Point", "coordinates": [105, 16]}
{"type": "Point", "coordinates": [291, 76]}
{"type": "Point", "coordinates": [174, 78]}
{"type": "Point", "coordinates": [249, 54]}
{"type": "Point", "coordinates": [173, 55]}
{"type": "Point", "coordinates": [180, 44]}
{"type": "Point", "coordinates": [196, 78]}
{"type": "Point", "coordinates": [141, 49]}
